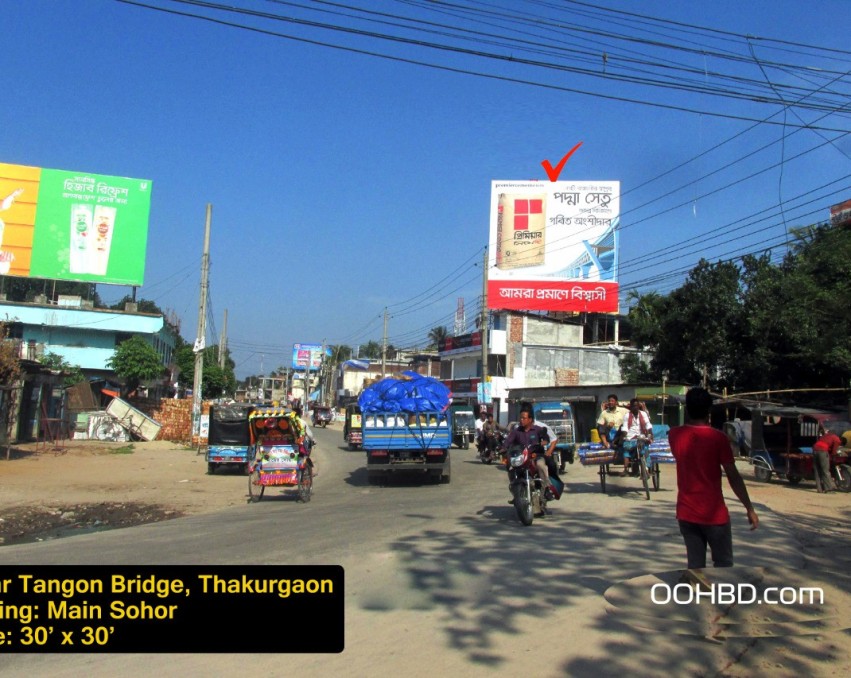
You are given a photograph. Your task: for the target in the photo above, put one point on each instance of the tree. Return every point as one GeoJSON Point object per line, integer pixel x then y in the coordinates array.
{"type": "Point", "coordinates": [142, 305]}
{"type": "Point", "coordinates": [71, 374]}
{"type": "Point", "coordinates": [436, 335]}
{"type": "Point", "coordinates": [214, 380]}
{"type": "Point", "coordinates": [10, 359]}
{"type": "Point", "coordinates": [135, 361]}
{"type": "Point", "coordinates": [340, 353]}
{"type": "Point", "coordinates": [371, 349]}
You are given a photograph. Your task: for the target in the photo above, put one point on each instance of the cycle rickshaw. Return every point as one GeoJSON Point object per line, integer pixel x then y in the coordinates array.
{"type": "Point", "coordinates": [280, 454]}
{"type": "Point", "coordinates": [646, 459]}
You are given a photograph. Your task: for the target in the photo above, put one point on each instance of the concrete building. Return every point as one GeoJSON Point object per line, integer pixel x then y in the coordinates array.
{"type": "Point", "coordinates": [525, 350]}
{"type": "Point", "coordinates": [81, 336]}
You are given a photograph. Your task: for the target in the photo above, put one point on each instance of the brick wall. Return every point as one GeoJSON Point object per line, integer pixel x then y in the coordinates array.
{"type": "Point", "coordinates": [175, 415]}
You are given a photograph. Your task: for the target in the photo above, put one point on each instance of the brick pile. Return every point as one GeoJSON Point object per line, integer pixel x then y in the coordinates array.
{"type": "Point", "coordinates": [175, 415]}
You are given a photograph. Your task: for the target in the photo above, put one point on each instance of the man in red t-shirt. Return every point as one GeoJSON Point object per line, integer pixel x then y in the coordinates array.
{"type": "Point", "coordinates": [823, 448]}
{"type": "Point", "coordinates": [701, 452]}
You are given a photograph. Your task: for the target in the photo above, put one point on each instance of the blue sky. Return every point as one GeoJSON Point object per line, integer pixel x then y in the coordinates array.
{"type": "Point", "coordinates": [344, 183]}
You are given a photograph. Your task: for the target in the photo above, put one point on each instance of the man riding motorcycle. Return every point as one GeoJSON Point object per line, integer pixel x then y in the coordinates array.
{"type": "Point", "coordinates": [489, 439]}
{"type": "Point", "coordinates": [528, 434]}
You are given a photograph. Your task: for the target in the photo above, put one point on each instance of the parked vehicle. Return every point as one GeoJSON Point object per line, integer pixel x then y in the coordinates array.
{"type": "Point", "coordinates": [228, 438]}
{"type": "Point", "coordinates": [781, 440]}
{"type": "Point", "coordinates": [463, 426]}
{"type": "Point", "coordinates": [322, 416]}
{"type": "Point", "coordinates": [352, 431]}
{"type": "Point", "coordinates": [407, 442]}
{"type": "Point", "coordinates": [559, 417]}
{"type": "Point", "coordinates": [280, 456]}
{"type": "Point", "coordinates": [526, 486]}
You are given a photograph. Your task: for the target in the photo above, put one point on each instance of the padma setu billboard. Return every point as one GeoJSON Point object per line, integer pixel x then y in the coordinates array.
{"type": "Point", "coordinates": [73, 226]}
{"type": "Point", "coordinates": [554, 246]}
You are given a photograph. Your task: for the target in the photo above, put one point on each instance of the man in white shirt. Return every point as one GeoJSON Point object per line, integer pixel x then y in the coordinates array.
{"type": "Point", "coordinates": [635, 423]}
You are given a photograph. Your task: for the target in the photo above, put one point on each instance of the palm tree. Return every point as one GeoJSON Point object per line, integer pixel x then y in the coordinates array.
{"type": "Point", "coordinates": [436, 335]}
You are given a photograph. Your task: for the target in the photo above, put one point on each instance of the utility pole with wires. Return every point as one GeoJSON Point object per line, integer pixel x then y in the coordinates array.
{"type": "Point", "coordinates": [202, 328]}
{"type": "Point", "coordinates": [223, 342]}
{"type": "Point", "coordinates": [384, 348]}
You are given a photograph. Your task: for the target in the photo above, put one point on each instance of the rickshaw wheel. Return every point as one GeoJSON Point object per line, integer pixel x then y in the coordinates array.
{"type": "Point", "coordinates": [305, 485]}
{"type": "Point", "coordinates": [794, 480]}
{"type": "Point", "coordinates": [655, 474]}
{"type": "Point", "coordinates": [761, 474]}
{"type": "Point", "coordinates": [255, 490]}
{"type": "Point", "coordinates": [604, 468]}
{"type": "Point", "coordinates": [642, 465]}
{"type": "Point", "coordinates": [843, 478]}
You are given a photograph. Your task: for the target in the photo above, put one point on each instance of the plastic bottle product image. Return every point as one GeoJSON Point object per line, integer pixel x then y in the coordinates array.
{"type": "Point", "coordinates": [81, 235]}
{"type": "Point", "coordinates": [520, 227]}
{"type": "Point", "coordinates": [104, 226]}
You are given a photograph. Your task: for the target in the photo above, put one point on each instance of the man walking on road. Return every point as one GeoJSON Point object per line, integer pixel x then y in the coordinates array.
{"type": "Point", "coordinates": [701, 452]}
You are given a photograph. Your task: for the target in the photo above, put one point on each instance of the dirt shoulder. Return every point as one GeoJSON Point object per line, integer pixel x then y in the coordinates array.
{"type": "Point", "coordinates": [90, 485]}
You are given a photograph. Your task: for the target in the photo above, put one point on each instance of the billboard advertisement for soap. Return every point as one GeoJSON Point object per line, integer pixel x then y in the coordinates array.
{"type": "Point", "coordinates": [64, 225]}
{"type": "Point", "coordinates": [554, 246]}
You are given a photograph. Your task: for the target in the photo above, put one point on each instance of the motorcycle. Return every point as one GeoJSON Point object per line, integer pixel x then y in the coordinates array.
{"type": "Point", "coordinates": [488, 446]}
{"type": "Point", "coordinates": [526, 485]}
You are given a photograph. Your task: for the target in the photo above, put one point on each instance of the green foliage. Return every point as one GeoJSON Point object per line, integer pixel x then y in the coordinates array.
{"type": "Point", "coordinates": [135, 361]}
{"type": "Point", "coordinates": [71, 374]}
{"type": "Point", "coordinates": [26, 289]}
{"type": "Point", "coordinates": [215, 382]}
{"type": "Point", "coordinates": [142, 305]}
{"type": "Point", "coordinates": [371, 349]}
{"type": "Point", "coordinates": [757, 326]}
{"type": "Point", "coordinates": [125, 449]}
{"type": "Point", "coordinates": [10, 360]}
{"type": "Point", "coordinates": [436, 335]}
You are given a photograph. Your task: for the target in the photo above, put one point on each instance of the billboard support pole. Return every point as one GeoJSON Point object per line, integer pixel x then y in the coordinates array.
{"type": "Point", "coordinates": [484, 330]}
{"type": "Point", "coordinates": [202, 329]}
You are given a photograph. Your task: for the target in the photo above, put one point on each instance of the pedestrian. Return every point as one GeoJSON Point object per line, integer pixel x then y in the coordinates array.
{"type": "Point", "coordinates": [823, 449]}
{"type": "Point", "coordinates": [701, 452]}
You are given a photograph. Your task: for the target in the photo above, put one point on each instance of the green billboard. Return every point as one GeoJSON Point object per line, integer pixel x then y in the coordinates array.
{"type": "Point", "coordinates": [73, 226]}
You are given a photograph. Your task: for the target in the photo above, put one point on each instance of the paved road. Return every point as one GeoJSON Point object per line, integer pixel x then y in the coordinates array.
{"type": "Point", "coordinates": [444, 579]}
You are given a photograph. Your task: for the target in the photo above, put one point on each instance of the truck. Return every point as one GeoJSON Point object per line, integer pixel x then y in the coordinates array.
{"type": "Point", "coordinates": [406, 427]}
{"type": "Point", "coordinates": [407, 442]}
{"type": "Point", "coordinates": [558, 415]}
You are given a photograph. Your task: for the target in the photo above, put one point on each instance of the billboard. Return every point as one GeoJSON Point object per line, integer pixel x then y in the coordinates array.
{"type": "Point", "coordinates": [554, 246]}
{"type": "Point", "coordinates": [307, 354]}
{"type": "Point", "coordinates": [73, 225]}
{"type": "Point", "coordinates": [840, 215]}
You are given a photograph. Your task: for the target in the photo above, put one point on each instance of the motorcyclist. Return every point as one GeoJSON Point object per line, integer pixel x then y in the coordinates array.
{"type": "Point", "coordinates": [528, 435]}
{"type": "Point", "coordinates": [490, 434]}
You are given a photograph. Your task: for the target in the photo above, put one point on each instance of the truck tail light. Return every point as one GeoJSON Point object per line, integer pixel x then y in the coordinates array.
{"type": "Point", "coordinates": [435, 453]}
{"type": "Point", "coordinates": [378, 453]}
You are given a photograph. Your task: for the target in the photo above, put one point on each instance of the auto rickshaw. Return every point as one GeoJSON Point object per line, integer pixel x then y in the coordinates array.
{"type": "Point", "coordinates": [352, 431]}
{"type": "Point", "coordinates": [281, 455]}
{"type": "Point", "coordinates": [229, 438]}
{"type": "Point", "coordinates": [322, 416]}
{"type": "Point", "coordinates": [781, 440]}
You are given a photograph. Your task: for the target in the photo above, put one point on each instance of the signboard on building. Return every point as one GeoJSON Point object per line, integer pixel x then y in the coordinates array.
{"type": "Point", "coordinates": [840, 215]}
{"type": "Point", "coordinates": [460, 343]}
{"type": "Point", "coordinates": [554, 246]}
{"type": "Point", "coordinates": [307, 355]}
{"type": "Point", "coordinates": [72, 225]}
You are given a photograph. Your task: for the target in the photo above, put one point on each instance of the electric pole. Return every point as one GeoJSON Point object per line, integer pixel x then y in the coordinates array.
{"type": "Point", "coordinates": [384, 348]}
{"type": "Point", "coordinates": [223, 342]}
{"type": "Point", "coordinates": [202, 327]}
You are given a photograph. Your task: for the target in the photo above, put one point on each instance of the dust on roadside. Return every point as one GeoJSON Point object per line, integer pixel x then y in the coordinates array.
{"type": "Point", "coordinates": [84, 486]}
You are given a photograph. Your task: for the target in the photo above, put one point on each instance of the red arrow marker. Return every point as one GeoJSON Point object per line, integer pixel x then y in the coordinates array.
{"type": "Point", "coordinates": [553, 172]}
